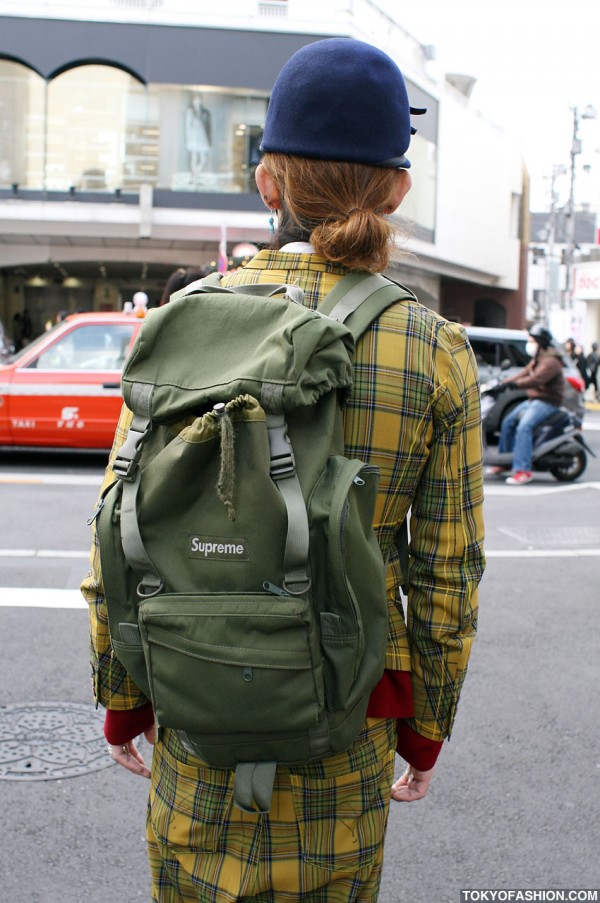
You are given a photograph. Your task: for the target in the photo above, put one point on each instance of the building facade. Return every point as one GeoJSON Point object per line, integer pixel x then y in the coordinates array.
{"type": "Point", "coordinates": [129, 135]}
{"type": "Point", "coordinates": [565, 295]}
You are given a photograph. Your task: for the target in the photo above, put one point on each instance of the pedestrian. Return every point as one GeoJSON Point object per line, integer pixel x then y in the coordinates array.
{"type": "Point", "coordinates": [576, 355]}
{"type": "Point", "coordinates": [592, 361]}
{"type": "Point", "coordinates": [333, 170]}
{"type": "Point", "coordinates": [180, 278]}
{"type": "Point", "coordinates": [544, 380]}
{"type": "Point", "coordinates": [26, 327]}
{"type": "Point", "coordinates": [140, 305]}
{"type": "Point", "coordinates": [17, 331]}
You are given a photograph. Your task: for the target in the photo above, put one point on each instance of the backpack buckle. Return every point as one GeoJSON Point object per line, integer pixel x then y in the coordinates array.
{"type": "Point", "coordinates": [125, 470]}
{"type": "Point", "coordinates": [283, 463]}
{"type": "Point", "coordinates": [126, 462]}
{"type": "Point", "coordinates": [282, 467]}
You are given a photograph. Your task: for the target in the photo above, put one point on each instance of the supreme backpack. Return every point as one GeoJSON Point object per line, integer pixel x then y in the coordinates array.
{"type": "Point", "coordinates": [244, 583]}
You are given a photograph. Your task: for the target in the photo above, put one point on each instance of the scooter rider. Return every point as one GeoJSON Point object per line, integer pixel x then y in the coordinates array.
{"type": "Point", "coordinates": [544, 380]}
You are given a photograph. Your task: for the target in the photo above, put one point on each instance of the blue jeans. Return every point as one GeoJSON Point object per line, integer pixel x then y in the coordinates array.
{"type": "Point", "coordinates": [516, 433]}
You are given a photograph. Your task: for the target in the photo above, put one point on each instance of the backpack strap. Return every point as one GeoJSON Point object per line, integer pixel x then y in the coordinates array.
{"type": "Point", "coordinates": [283, 473]}
{"type": "Point", "coordinates": [346, 301]}
{"type": "Point", "coordinates": [357, 300]}
{"type": "Point", "coordinates": [127, 469]}
{"type": "Point", "coordinates": [253, 786]}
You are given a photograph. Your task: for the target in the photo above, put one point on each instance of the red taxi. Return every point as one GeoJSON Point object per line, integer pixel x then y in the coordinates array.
{"type": "Point", "coordinates": [63, 390]}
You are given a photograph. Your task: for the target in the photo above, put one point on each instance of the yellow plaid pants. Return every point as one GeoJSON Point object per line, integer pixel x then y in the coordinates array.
{"type": "Point", "coordinates": [322, 841]}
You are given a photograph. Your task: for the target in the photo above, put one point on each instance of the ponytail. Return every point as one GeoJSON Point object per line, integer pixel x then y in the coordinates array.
{"type": "Point", "coordinates": [337, 206]}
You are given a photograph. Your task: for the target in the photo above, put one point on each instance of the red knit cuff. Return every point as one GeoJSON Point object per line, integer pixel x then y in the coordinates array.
{"type": "Point", "coordinates": [392, 697]}
{"type": "Point", "coordinates": [122, 726]}
{"type": "Point", "coordinates": [418, 751]}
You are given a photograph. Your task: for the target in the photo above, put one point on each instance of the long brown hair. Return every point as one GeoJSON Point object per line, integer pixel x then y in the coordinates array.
{"type": "Point", "coordinates": [337, 206]}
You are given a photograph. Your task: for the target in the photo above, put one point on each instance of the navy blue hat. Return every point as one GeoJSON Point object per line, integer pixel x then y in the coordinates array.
{"type": "Point", "coordinates": [340, 99]}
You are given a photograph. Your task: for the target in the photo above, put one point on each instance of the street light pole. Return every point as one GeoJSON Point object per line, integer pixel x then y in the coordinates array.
{"type": "Point", "coordinates": [588, 113]}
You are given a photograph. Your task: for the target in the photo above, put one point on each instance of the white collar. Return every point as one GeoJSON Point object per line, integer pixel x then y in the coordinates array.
{"type": "Point", "coordinates": [298, 247]}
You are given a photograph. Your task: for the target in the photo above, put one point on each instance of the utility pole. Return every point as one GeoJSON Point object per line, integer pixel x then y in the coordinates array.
{"type": "Point", "coordinates": [588, 113]}
{"type": "Point", "coordinates": [551, 294]}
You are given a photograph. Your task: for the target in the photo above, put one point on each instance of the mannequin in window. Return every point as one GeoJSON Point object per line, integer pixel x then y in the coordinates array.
{"type": "Point", "coordinates": [197, 135]}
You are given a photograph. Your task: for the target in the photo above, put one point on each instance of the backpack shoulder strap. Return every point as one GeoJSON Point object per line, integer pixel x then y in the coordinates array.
{"type": "Point", "coordinates": [346, 301]}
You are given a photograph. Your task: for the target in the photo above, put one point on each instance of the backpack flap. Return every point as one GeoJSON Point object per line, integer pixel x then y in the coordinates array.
{"type": "Point", "coordinates": [274, 342]}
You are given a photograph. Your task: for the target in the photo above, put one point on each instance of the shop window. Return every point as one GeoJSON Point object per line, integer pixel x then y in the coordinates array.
{"type": "Point", "coordinates": [21, 127]}
{"type": "Point", "coordinates": [90, 104]}
{"type": "Point", "coordinates": [209, 138]}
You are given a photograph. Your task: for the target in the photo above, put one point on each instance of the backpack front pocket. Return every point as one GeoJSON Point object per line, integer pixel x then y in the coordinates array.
{"type": "Point", "coordinates": [231, 663]}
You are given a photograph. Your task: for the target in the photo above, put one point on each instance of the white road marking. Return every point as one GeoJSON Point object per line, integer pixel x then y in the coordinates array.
{"type": "Point", "coordinates": [36, 597]}
{"type": "Point", "coordinates": [43, 553]}
{"type": "Point", "coordinates": [51, 479]}
{"type": "Point", "coordinates": [542, 553]}
{"type": "Point", "coordinates": [534, 489]}
{"type": "Point", "coordinates": [39, 597]}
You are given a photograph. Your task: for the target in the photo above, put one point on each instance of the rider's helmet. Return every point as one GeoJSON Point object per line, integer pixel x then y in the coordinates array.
{"type": "Point", "coordinates": [542, 335]}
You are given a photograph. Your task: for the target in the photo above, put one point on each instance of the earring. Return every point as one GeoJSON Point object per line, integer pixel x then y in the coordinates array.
{"type": "Point", "coordinates": [272, 224]}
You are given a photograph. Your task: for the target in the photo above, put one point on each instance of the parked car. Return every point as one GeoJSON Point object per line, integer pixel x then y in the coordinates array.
{"type": "Point", "coordinates": [503, 350]}
{"type": "Point", "coordinates": [63, 389]}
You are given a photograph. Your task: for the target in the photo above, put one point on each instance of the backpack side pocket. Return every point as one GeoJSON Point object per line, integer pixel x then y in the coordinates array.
{"type": "Point", "coordinates": [119, 591]}
{"type": "Point", "coordinates": [348, 581]}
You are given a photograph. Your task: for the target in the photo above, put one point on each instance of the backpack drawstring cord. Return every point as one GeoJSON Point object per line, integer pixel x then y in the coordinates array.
{"type": "Point", "coordinates": [226, 480]}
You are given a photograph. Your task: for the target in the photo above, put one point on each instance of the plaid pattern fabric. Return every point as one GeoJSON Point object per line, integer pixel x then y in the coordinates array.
{"type": "Point", "coordinates": [322, 841]}
{"type": "Point", "coordinates": [414, 413]}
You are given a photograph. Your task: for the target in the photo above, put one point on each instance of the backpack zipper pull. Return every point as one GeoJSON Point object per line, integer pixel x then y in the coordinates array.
{"type": "Point", "coordinates": [95, 513]}
{"type": "Point", "coordinates": [276, 590]}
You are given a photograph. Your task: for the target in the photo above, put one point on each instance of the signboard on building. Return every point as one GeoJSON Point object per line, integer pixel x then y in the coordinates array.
{"type": "Point", "coordinates": [586, 281]}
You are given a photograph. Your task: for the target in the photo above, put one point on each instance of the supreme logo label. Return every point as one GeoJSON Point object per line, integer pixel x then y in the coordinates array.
{"type": "Point", "coordinates": [218, 548]}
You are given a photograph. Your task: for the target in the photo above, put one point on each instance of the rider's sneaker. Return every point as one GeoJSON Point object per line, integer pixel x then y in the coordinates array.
{"type": "Point", "coordinates": [520, 478]}
{"type": "Point", "coordinates": [496, 470]}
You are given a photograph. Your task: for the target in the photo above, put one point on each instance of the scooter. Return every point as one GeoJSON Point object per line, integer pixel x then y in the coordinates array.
{"type": "Point", "coordinates": [558, 443]}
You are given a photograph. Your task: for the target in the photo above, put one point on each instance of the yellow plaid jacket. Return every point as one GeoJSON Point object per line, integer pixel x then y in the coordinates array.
{"type": "Point", "coordinates": [414, 413]}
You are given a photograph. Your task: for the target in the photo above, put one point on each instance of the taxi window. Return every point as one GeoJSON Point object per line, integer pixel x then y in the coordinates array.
{"type": "Point", "coordinates": [93, 347]}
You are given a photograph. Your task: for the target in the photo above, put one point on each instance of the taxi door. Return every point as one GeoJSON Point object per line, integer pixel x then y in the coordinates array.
{"type": "Point", "coordinates": [66, 393]}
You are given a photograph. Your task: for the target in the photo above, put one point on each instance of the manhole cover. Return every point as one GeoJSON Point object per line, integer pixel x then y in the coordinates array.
{"type": "Point", "coordinates": [44, 741]}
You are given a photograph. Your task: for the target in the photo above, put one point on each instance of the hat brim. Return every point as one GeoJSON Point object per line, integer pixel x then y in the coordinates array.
{"type": "Point", "coordinates": [395, 163]}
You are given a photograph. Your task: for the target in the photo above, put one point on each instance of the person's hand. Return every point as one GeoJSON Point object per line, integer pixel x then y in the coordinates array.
{"type": "Point", "coordinates": [413, 785]}
{"type": "Point", "coordinates": [128, 755]}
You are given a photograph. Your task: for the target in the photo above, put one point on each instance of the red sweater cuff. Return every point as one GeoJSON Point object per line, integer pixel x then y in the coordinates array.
{"type": "Point", "coordinates": [418, 751]}
{"type": "Point", "coordinates": [122, 726]}
{"type": "Point", "coordinates": [392, 697]}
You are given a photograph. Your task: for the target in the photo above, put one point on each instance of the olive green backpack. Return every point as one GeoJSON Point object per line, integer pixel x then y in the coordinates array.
{"type": "Point", "coordinates": [244, 583]}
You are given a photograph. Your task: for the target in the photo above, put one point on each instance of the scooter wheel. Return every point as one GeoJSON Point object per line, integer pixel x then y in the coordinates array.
{"type": "Point", "coordinates": [567, 472]}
